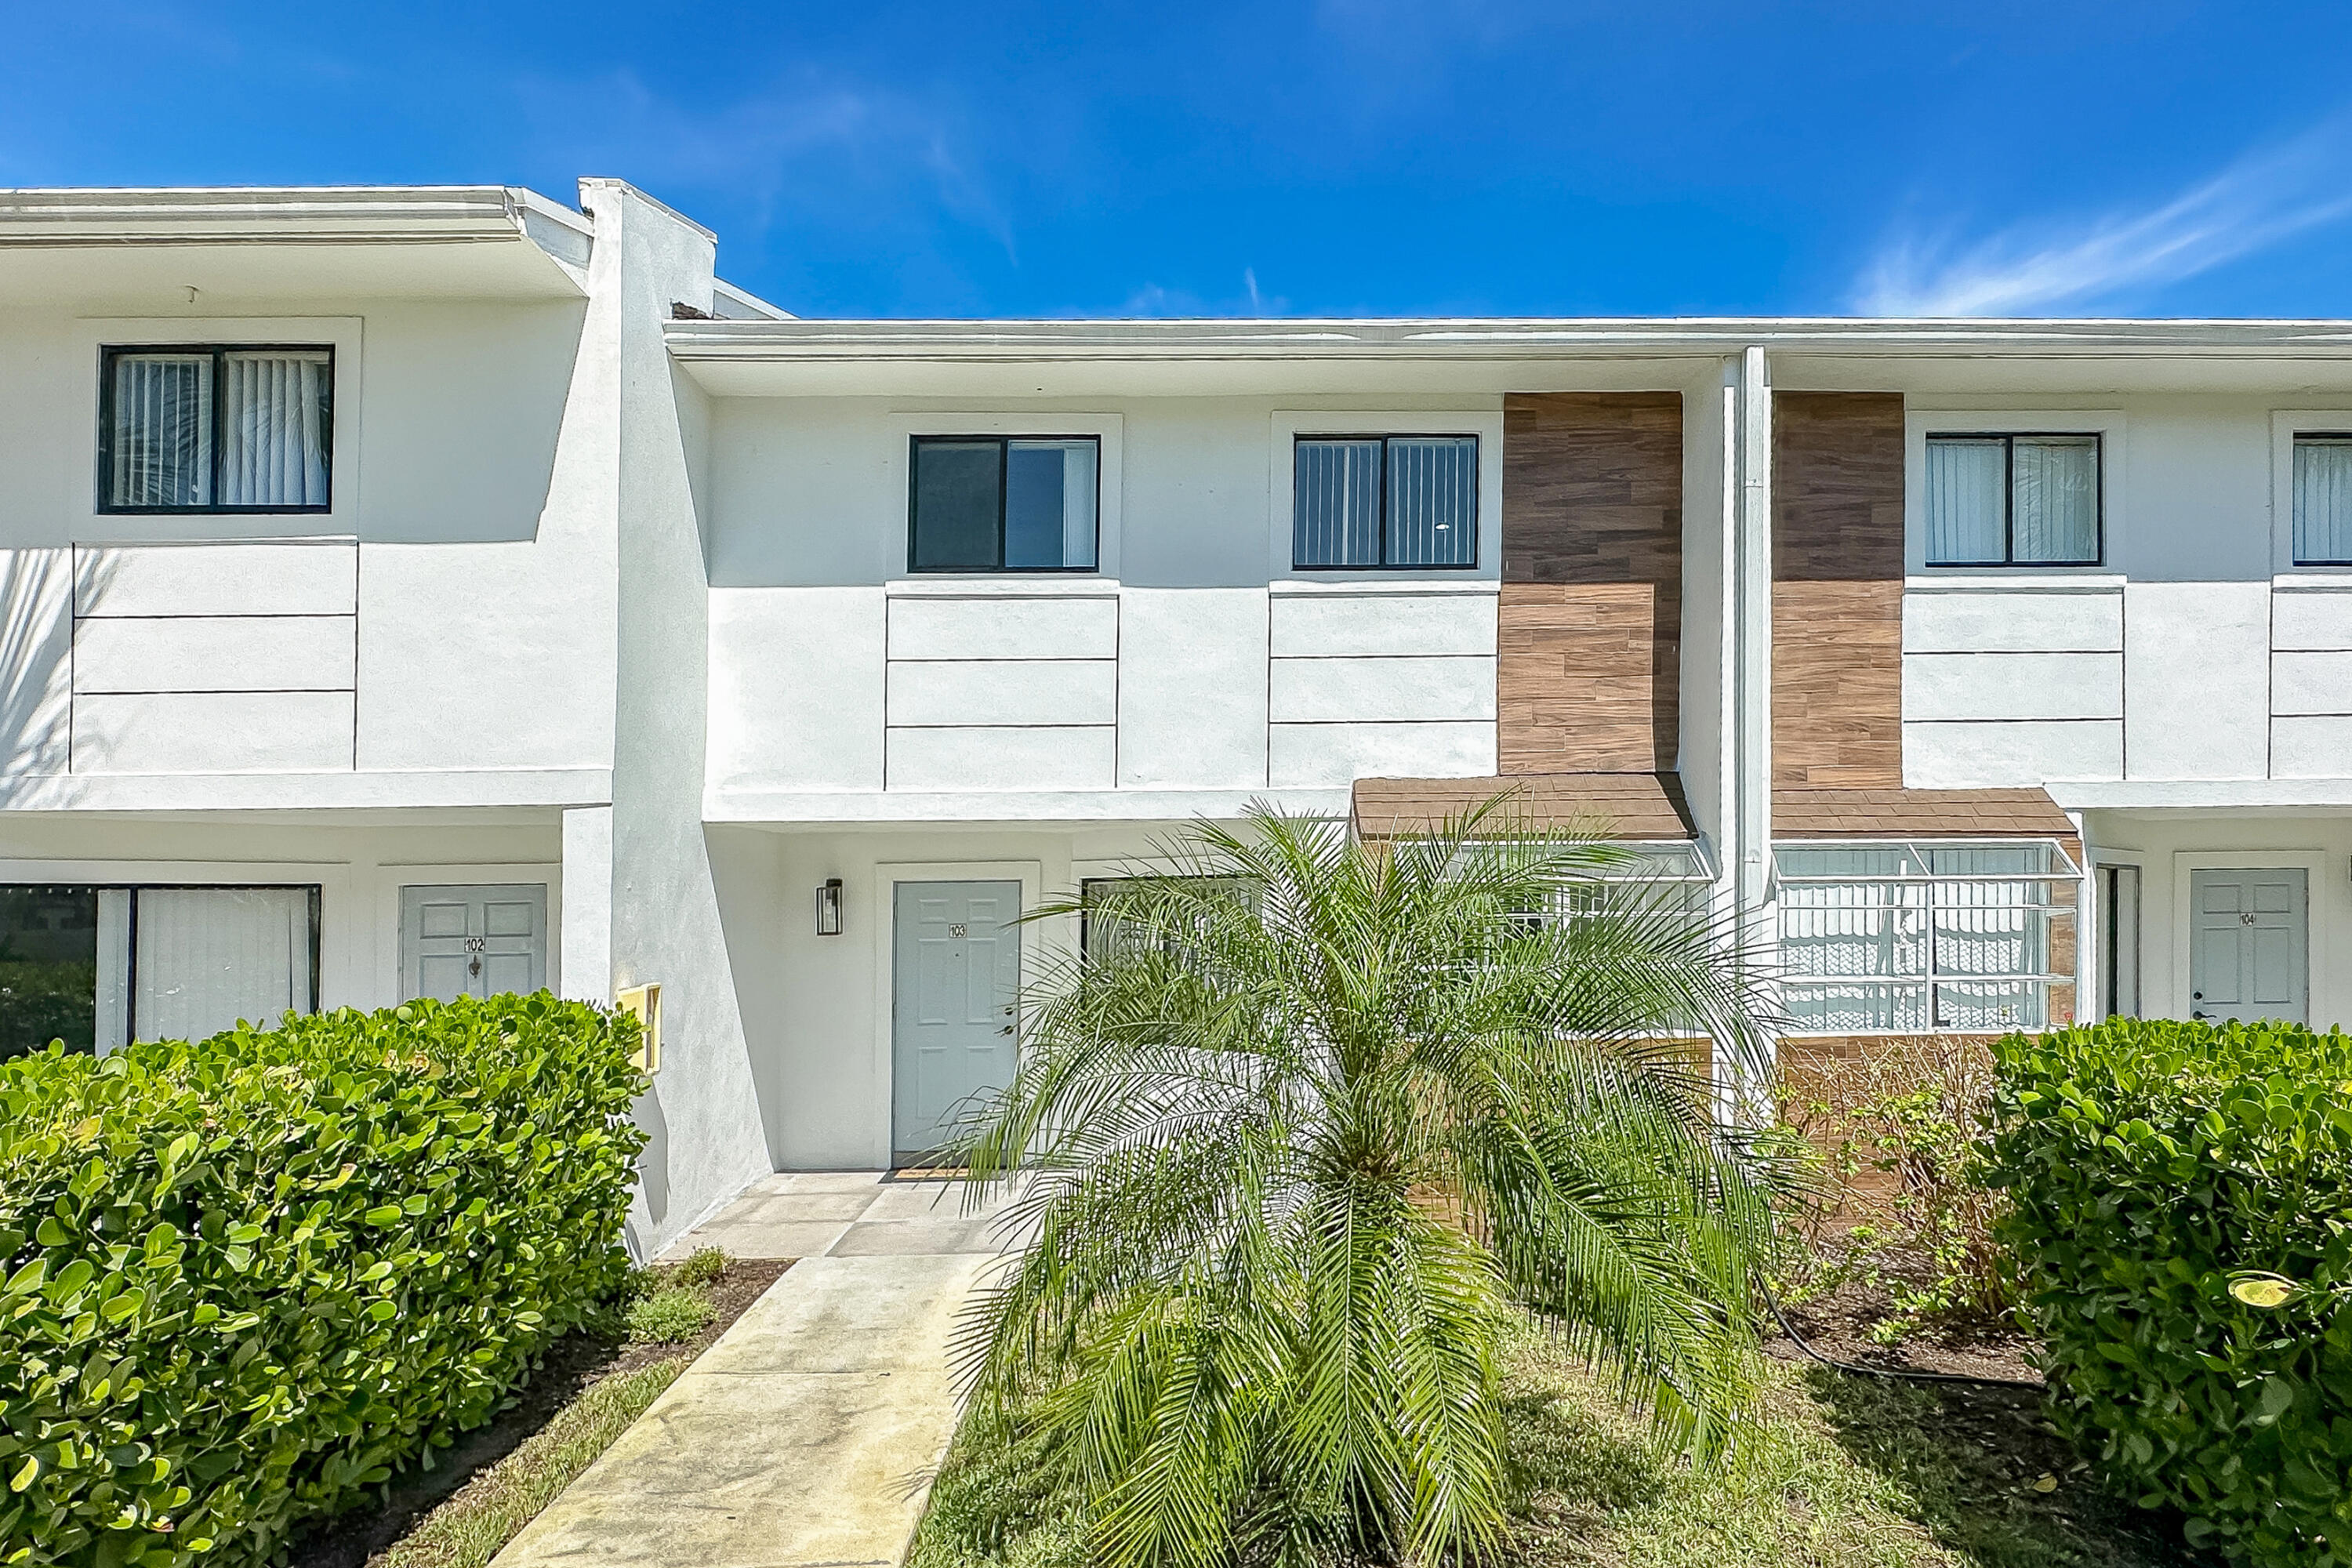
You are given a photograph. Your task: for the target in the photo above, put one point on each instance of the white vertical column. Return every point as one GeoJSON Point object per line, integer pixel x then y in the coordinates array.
{"type": "Point", "coordinates": [586, 928]}
{"type": "Point", "coordinates": [1752, 658]}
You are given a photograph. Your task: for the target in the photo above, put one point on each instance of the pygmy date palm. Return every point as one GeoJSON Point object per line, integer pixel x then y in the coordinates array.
{"type": "Point", "coordinates": [1306, 1129]}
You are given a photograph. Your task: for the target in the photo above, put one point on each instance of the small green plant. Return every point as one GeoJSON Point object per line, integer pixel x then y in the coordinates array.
{"type": "Point", "coordinates": [669, 1315]}
{"type": "Point", "coordinates": [703, 1265]}
{"type": "Point", "coordinates": [2182, 1196]}
{"type": "Point", "coordinates": [1901, 1131]}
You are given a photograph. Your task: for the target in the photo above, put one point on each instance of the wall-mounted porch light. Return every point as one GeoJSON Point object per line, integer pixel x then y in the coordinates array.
{"type": "Point", "coordinates": [828, 907]}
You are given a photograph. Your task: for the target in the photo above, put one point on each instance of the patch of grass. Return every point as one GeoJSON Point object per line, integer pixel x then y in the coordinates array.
{"type": "Point", "coordinates": [1841, 1472]}
{"type": "Point", "coordinates": [670, 1315]}
{"type": "Point", "coordinates": [490, 1510]}
{"type": "Point", "coordinates": [703, 1265]}
{"type": "Point", "coordinates": [1000, 1503]}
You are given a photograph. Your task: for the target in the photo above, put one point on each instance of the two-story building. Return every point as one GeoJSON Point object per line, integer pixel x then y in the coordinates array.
{"type": "Point", "coordinates": [415, 591]}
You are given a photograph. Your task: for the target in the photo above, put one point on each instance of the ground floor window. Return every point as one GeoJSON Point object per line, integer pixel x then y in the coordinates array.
{"type": "Point", "coordinates": [1905, 937]}
{"type": "Point", "coordinates": [2119, 940]}
{"type": "Point", "coordinates": [1101, 932]}
{"type": "Point", "coordinates": [98, 966]}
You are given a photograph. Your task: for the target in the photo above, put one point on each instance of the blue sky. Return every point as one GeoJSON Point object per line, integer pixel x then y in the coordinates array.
{"type": "Point", "coordinates": [1346, 157]}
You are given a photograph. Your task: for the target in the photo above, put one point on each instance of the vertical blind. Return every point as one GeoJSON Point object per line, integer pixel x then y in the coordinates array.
{"type": "Point", "coordinates": [1394, 501]}
{"type": "Point", "coordinates": [2003, 499]}
{"type": "Point", "coordinates": [163, 430]}
{"type": "Point", "coordinates": [196, 430]}
{"type": "Point", "coordinates": [1336, 504]}
{"type": "Point", "coordinates": [1433, 495]}
{"type": "Point", "coordinates": [210, 956]}
{"type": "Point", "coordinates": [276, 453]}
{"type": "Point", "coordinates": [2323, 501]}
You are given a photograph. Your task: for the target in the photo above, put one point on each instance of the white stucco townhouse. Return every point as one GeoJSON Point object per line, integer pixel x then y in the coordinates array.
{"type": "Point", "coordinates": [423, 590]}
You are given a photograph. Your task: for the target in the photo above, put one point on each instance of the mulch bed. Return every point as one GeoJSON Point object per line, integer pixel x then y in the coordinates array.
{"type": "Point", "coordinates": [571, 1364]}
{"type": "Point", "coordinates": [1837, 1326]}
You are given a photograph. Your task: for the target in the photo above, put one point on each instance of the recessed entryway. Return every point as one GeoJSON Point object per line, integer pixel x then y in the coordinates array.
{"type": "Point", "coordinates": [472, 941]}
{"type": "Point", "coordinates": [955, 966]}
{"type": "Point", "coordinates": [2249, 943]}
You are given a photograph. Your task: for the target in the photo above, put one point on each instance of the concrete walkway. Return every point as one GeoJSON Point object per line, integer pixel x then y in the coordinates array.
{"type": "Point", "coordinates": [807, 1435]}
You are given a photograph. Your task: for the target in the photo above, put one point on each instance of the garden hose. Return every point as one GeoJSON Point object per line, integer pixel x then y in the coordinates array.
{"type": "Point", "coordinates": [1895, 1374]}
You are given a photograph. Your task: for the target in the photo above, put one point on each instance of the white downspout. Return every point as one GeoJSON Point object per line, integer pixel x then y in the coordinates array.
{"type": "Point", "coordinates": [1752, 658]}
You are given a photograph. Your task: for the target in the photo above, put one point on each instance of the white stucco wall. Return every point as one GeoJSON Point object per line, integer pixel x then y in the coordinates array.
{"type": "Point", "coordinates": [1197, 660]}
{"type": "Point", "coordinates": [2194, 652]}
{"type": "Point", "coordinates": [702, 1115]}
{"type": "Point", "coordinates": [2166, 845]}
{"type": "Point", "coordinates": [359, 870]}
{"type": "Point", "coordinates": [465, 606]}
{"type": "Point", "coordinates": [816, 1010]}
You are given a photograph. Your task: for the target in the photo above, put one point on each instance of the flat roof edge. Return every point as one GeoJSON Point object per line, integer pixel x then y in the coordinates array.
{"type": "Point", "coordinates": [806, 341]}
{"type": "Point", "coordinates": [291, 214]}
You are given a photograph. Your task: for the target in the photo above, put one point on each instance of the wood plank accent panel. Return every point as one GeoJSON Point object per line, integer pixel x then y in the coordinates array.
{"type": "Point", "coordinates": [1837, 588]}
{"type": "Point", "coordinates": [1633, 805]}
{"type": "Point", "coordinates": [1589, 633]}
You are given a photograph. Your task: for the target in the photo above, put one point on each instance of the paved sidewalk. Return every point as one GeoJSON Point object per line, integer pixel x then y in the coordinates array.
{"type": "Point", "coordinates": [807, 1435]}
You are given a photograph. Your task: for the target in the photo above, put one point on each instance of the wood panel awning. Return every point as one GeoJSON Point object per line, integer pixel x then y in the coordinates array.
{"type": "Point", "coordinates": [1816, 812]}
{"type": "Point", "coordinates": [1634, 807]}
{"type": "Point", "coordinates": [1647, 807]}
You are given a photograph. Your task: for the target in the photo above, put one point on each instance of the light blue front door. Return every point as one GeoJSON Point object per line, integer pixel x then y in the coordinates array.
{"type": "Point", "coordinates": [2248, 944]}
{"type": "Point", "coordinates": [955, 979]}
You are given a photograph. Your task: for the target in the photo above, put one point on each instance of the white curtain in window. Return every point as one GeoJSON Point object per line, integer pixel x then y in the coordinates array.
{"type": "Point", "coordinates": [1968, 480]}
{"type": "Point", "coordinates": [2323, 501]}
{"type": "Point", "coordinates": [1433, 500]}
{"type": "Point", "coordinates": [208, 957]}
{"type": "Point", "coordinates": [276, 453]}
{"type": "Point", "coordinates": [114, 969]}
{"type": "Point", "coordinates": [1336, 504]}
{"type": "Point", "coordinates": [2057, 500]}
{"type": "Point", "coordinates": [1080, 488]}
{"type": "Point", "coordinates": [161, 443]}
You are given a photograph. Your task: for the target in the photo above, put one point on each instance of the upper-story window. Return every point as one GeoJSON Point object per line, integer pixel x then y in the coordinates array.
{"type": "Point", "coordinates": [215, 428]}
{"type": "Point", "coordinates": [1370, 502]}
{"type": "Point", "coordinates": [2013, 500]}
{"type": "Point", "coordinates": [1003, 503]}
{"type": "Point", "coordinates": [2323, 499]}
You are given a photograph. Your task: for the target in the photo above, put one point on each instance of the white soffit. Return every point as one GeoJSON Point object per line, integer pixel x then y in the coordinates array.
{"type": "Point", "coordinates": [1080, 357]}
{"type": "Point", "coordinates": [139, 249]}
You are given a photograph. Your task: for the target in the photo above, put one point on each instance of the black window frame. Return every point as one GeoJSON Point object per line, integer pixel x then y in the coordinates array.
{"type": "Point", "coordinates": [2008, 440]}
{"type": "Point", "coordinates": [110, 352]}
{"type": "Point", "coordinates": [1003, 466]}
{"type": "Point", "coordinates": [2297, 439]}
{"type": "Point", "coordinates": [131, 930]}
{"type": "Point", "coordinates": [1478, 496]}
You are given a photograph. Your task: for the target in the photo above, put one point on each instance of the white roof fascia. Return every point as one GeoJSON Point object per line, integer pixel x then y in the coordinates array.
{"type": "Point", "coordinates": [1440, 339]}
{"type": "Point", "coordinates": [348, 215]}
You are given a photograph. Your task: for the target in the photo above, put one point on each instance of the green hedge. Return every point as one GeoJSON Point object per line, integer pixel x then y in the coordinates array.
{"type": "Point", "coordinates": [242, 1280]}
{"type": "Point", "coordinates": [2151, 1161]}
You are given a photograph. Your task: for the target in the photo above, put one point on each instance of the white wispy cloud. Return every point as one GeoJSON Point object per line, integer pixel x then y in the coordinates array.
{"type": "Point", "coordinates": [811, 138]}
{"type": "Point", "coordinates": [1156, 300]}
{"type": "Point", "coordinates": [2103, 259]}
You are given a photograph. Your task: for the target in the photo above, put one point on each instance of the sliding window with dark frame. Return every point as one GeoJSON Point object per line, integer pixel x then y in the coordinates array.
{"type": "Point", "coordinates": [1998, 498]}
{"type": "Point", "coordinates": [1384, 503]}
{"type": "Point", "coordinates": [215, 427]}
{"type": "Point", "coordinates": [1003, 503]}
{"type": "Point", "coordinates": [98, 966]}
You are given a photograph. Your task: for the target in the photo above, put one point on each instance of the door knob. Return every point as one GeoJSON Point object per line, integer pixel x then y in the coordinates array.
{"type": "Point", "coordinates": [1006, 1030]}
